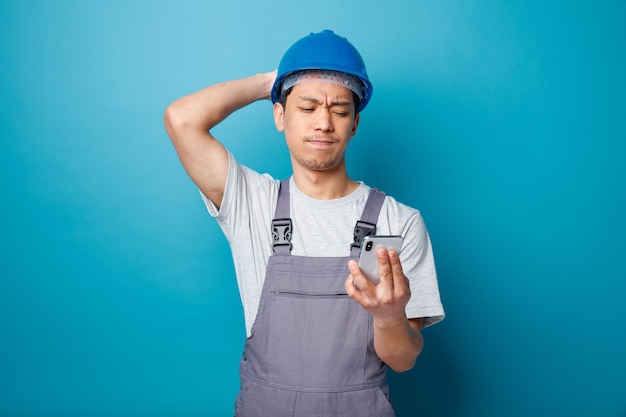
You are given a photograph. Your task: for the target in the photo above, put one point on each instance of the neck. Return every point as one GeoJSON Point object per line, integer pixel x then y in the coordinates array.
{"type": "Point", "coordinates": [324, 186]}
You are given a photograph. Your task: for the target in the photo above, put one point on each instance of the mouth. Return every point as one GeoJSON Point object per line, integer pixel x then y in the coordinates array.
{"type": "Point", "coordinates": [321, 140]}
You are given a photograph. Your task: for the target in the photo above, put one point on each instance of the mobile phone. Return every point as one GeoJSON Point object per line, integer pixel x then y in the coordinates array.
{"type": "Point", "coordinates": [367, 257]}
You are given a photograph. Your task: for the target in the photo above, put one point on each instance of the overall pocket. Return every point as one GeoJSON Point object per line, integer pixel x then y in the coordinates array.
{"type": "Point", "coordinates": [318, 339]}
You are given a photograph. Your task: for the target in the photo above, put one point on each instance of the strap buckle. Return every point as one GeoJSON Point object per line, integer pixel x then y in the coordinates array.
{"type": "Point", "coordinates": [362, 229]}
{"type": "Point", "coordinates": [281, 233]}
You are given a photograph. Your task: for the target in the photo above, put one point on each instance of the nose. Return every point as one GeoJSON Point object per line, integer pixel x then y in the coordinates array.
{"type": "Point", "coordinates": [323, 121]}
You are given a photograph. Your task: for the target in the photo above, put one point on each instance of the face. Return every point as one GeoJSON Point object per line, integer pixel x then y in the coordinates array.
{"type": "Point", "coordinates": [318, 121]}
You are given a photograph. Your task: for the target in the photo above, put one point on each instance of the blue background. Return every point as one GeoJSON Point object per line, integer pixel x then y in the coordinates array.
{"type": "Point", "coordinates": [504, 122]}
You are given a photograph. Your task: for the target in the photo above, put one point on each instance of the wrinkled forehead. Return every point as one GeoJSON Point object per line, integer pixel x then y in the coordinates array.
{"type": "Point", "coordinates": [333, 77]}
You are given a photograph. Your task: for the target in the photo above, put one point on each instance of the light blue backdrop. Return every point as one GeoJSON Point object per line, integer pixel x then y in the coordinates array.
{"type": "Point", "coordinates": [504, 122]}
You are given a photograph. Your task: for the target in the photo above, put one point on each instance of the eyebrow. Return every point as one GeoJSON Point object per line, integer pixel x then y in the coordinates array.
{"type": "Point", "coordinates": [335, 102]}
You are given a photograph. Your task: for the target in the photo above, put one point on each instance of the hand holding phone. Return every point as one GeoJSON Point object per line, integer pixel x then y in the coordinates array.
{"type": "Point", "coordinates": [368, 261]}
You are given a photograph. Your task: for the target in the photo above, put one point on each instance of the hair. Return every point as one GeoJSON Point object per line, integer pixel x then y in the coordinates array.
{"type": "Point", "coordinates": [283, 99]}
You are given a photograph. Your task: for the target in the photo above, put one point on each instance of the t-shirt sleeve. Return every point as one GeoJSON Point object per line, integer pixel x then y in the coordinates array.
{"type": "Point", "coordinates": [229, 191]}
{"type": "Point", "coordinates": [242, 202]}
{"type": "Point", "coordinates": [419, 266]}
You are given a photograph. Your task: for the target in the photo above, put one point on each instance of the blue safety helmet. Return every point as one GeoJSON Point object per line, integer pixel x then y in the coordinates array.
{"type": "Point", "coordinates": [323, 51]}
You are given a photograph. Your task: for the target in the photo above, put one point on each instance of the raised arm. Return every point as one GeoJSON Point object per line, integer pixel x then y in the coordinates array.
{"type": "Point", "coordinates": [188, 122]}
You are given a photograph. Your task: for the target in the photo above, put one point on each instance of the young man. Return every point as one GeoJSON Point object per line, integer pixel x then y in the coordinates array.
{"type": "Point", "coordinates": [319, 333]}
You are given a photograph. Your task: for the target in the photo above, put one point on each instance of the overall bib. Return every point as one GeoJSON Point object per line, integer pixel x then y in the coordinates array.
{"type": "Point", "coordinates": [311, 350]}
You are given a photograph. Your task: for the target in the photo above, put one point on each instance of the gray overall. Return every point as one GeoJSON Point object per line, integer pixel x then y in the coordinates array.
{"type": "Point", "coordinates": [311, 350]}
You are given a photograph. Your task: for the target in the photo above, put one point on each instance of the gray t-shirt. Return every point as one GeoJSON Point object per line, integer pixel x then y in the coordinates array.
{"type": "Point", "coordinates": [320, 228]}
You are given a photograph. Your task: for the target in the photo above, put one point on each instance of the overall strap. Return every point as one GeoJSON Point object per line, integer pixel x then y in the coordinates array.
{"type": "Point", "coordinates": [281, 225]}
{"type": "Point", "coordinates": [367, 225]}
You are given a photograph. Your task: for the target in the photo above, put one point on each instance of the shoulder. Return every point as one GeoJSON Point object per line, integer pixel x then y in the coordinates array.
{"type": "Point", "coordinates": [393, 209]}
{"type": "Point", "coordinates": [397, 218]}
{"type": "Point", "coordinates": [393, 205]}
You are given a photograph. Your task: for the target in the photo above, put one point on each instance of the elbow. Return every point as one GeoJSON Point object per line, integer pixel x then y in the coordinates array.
{"type": "Point", "coordinates": [403, 366]}
{"type": "Point", "coordinates": [179, 120]}
{"type": "Point", "coordinates": [173, 120]}
{"type": "Point", "coordinates": [405, 361]}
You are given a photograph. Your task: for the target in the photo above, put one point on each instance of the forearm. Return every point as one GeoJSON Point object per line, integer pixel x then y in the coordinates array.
{"type": "Point", "coordinates": [206, 108]}
{"type": "Point", "coordinates": [398, 343]}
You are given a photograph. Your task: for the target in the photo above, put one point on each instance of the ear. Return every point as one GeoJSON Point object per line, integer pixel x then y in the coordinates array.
{"type": "Point", "coordinates": [356, 123]}
{"type": "Point", "coordinates": [279, 114]}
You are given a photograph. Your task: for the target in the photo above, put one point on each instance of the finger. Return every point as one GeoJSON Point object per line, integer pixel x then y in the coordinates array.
{"type": "Point", "coordinates": [351, 286]}
{"type": "Point", "coordinates": [355, 293]}
{"type": "Point", "coordinates": [385, 291]}
{"type": "Point", "coordinates": [359, 281]}
{"type": "Point", "coordinates": [384, 268]}
{"type": "Point", "coordinates": [396, 268]}
{"type": "Point", "coordinates": [400, 281]}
